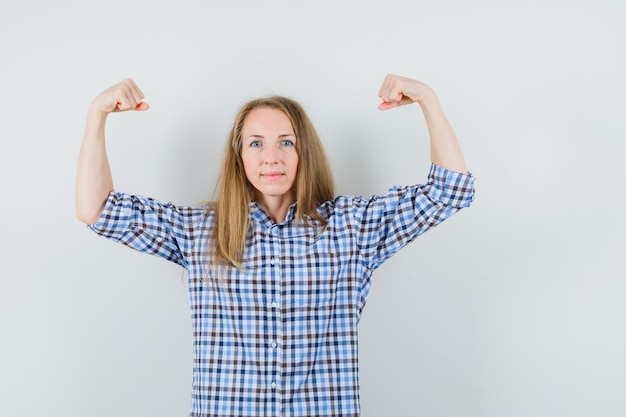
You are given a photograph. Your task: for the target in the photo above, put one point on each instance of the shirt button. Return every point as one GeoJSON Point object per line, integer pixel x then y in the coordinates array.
{"type": "Point", "coordinates": [273, 345]}
{"type": "Point", "coordinates": [274, 304]}
{"type": "Point", "coordinates": [273, 385]}
{"type": "Point", "coordinates": [272, 261]}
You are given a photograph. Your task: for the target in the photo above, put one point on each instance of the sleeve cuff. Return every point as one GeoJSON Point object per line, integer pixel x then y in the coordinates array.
{"type": "Point", "coordinates": [451, 188]}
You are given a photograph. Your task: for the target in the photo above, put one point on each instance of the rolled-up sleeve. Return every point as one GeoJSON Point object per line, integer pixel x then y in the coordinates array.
{"type": "Point", "coordinates": [450, 188]}
{"type": "Point", "coordinates": [387, 223]}
{"type": "Point", "coordinates": [149, 226]}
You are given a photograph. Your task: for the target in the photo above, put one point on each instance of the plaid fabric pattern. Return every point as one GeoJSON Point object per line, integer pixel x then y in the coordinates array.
{"type": "Point", "coordinates": [279, 338]}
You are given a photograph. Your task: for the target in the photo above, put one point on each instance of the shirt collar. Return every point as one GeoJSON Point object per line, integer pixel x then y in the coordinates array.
{"type": "Point", "coordinates": [258, 214]}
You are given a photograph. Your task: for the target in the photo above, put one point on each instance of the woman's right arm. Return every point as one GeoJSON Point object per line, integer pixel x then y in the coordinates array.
{"type": "Point", "coordinates": [93, 178]}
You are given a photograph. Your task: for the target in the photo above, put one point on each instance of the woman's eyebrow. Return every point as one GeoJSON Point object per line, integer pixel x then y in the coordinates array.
{"type": "Point", "coordinates": [284, 135]}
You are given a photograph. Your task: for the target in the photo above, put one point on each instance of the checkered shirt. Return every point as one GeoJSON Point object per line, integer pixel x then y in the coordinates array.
{"type": "Point", "coordinates": [279, 338]}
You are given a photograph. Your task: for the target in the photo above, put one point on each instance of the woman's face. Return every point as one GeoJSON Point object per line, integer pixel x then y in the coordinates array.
{"type": "Point", "coordinates": [269, 155]}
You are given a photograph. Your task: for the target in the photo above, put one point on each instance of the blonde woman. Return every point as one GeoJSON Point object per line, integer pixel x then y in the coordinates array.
{"type": "Point", "coordinates": [278, 266]}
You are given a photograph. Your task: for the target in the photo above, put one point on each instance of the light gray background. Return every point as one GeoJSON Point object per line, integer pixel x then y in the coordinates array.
{"type": "Point", "coordinates": [515, 307]}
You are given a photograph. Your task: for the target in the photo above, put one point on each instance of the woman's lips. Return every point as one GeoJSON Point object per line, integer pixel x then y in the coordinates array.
{"type": "Point", "coordinates": [272, 176]}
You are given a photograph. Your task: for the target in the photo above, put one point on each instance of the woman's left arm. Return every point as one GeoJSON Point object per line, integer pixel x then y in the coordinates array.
{"type": "Point", "coordinates": [445, 150]}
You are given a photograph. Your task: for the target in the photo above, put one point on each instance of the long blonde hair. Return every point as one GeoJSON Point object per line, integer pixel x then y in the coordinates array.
{"type": "Point", "coordinates": [233, 192]}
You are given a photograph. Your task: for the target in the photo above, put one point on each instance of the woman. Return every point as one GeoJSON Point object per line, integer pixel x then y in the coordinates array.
{"type": "Point", "coordinates": [278, 267]}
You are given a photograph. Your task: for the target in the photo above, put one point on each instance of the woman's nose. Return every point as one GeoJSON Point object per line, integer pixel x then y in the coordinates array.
{"type": "Point", "coordinates": [270, 154]}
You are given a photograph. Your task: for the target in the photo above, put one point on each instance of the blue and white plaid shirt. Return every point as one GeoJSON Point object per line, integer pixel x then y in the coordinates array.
{"type": "Point", "coordinates": [279, 338]}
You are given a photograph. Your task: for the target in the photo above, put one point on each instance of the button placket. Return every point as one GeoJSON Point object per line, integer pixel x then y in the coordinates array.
{"type": "Point", "coordinates": [273, 287]}
{"type": "Point", "coordinates": [277, 343]}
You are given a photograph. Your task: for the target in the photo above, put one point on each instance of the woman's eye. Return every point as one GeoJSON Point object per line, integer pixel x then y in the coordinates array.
{"type": "Point", "coordinates": [287, 143]}
{"type": "Point", "coordinates": [255, 144]}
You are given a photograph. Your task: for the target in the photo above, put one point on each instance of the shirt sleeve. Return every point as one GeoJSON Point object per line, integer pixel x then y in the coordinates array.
{"type": "Point", "coordinates": [387, 223]}
{"type": "Point", "coordinates": [149, 226]}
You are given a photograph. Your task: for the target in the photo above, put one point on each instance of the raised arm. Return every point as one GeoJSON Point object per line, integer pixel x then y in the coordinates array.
{"type": "Point", "coordinates": [445, 150]}
{"type": "Point", "coordinates": [93, 178]}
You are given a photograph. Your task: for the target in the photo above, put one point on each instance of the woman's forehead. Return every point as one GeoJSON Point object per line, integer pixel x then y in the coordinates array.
{"type": "Point", "coordinates": [267, 120]}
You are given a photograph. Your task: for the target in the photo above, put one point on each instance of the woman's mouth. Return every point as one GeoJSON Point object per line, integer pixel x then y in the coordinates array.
{"type": "Point", "coordinates": [272, 176]}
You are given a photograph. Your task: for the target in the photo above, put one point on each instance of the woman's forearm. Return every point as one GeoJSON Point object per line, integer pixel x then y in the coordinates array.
{"type": "Point", "coordinates": [445, 149]}
{"type": "Point", "coordinates": [94, 181]}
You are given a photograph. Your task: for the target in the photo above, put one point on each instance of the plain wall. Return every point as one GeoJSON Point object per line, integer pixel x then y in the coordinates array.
{"type": "Point", "coordinates": [514, 307]}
